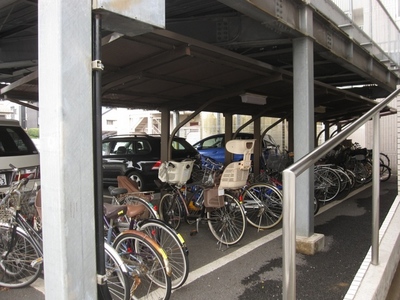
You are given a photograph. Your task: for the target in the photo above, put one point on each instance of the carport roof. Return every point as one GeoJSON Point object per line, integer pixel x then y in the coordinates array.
{"type": "Point", "coordinates": [164, 68]}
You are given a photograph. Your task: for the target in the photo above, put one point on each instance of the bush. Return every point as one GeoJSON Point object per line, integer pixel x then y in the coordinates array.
{"type": "Point", "coordinates": [33, 133]}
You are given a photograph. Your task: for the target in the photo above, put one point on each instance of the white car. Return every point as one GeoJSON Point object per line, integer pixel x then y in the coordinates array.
{"type": "Point", "coordinates": [17, 148]}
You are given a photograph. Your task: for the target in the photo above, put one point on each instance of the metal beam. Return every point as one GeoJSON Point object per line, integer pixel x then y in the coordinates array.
{"type": "Point", "coordinates": [15, 84]}
{"type": "Point", "coordinates": [330, 41]}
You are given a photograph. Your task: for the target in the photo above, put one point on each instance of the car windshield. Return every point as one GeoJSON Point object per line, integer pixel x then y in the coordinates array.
{"type": "Point", "coordinates": [14, 141]}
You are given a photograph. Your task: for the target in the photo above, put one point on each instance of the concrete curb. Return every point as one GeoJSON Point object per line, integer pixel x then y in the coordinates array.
{"type": "Point", "coordinates": [374, 281]}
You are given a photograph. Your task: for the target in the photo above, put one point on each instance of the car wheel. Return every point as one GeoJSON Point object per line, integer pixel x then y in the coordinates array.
{"type": "Point", "coordinates": [135, 176]}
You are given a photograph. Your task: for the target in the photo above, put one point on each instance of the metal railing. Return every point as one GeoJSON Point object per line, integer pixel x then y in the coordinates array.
{"type": "Point", "coordinates": [289, 187]}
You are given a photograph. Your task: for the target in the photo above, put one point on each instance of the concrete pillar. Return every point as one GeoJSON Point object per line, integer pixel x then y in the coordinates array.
{"type": "Point", "coordinates": [257, 147]}
{"type": "Point", "coordinates": [165, 131]}
{"type": "Point", "coordinates": [303, 118]}
{"type": "Point", "coordinates": [327, 129]}
{"type": "Point", "coordinates": [228, 135]}
{"type": "Point", "coordinates": [66, 135]}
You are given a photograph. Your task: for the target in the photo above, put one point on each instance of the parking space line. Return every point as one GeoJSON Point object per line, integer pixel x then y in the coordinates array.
{"type": "Point", "coordinates": [216, 264]}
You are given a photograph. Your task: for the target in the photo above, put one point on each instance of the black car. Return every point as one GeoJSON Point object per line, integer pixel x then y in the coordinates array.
{"type": "Point", "coordinates": [138, 157]}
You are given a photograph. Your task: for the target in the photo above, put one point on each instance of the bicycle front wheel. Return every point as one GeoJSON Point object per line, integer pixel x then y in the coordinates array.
{"type": "Point", "coordinates": [116, 274]}
{"type": "Point", "coordinates": [173, 244]}
{"type": "Point", "coordinates": [170, 210]}
{"type": "Point", "coordinates": [263, 205]}
{"type": "Point", "coordinates": [147, 264]}
{"type": "Point", "coordinates": [228, 222]}
{"type": "Point", "coordinates": [21, 261]}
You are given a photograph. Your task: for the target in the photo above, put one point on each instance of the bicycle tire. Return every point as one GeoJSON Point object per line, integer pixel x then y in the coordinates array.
{"type": "Point", "coordinates": [385, 173]}
{"type": "Point", "coordinates": [263, 205]}
{"type": "Point", "coordinates": [384, 159]}
{"type": "Point", "coordinates": [147, 264]}
{"type": "Point", "coordinates": [352, 177]}
{"type": "Point", "coordinates": [173, 244]}
{"type": "Point", "coordinates": [227, 223]}
{"type": "Point", "coordinates": [116, 274]}
{"type": "Point", "coordinates": [326, 184]}
{"type": "Point", "coordinates": [316, 206]}
{"type": "Point", "coordinates": [170, 210]}
{"type": "Point", "coordinates": [345, 180]}
{"type": "Point", "coordinates": [363, 172]}
{"type": "Point", "coordinates": [18, 256]}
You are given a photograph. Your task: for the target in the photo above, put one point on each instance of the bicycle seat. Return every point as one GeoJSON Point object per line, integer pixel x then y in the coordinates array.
{"type": "Point", "coordinates": [114, 211]}
{"type": "Point", "coordinates": [115, 191]}
{"type": "Point", "coordinates": [135, 210]}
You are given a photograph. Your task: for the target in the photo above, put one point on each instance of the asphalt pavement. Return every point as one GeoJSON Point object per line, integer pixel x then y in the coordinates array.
{"type": "Point", "coordinates": [252, 269]}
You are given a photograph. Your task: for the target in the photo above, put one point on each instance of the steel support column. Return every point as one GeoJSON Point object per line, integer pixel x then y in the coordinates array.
{"type": "Point", "coordinates": [165, 136]}
{"type": "Point", "coordinates": [303, 107]}
{"type": "Point", "coordinates": [228, 135]}
{"type": "Point", "coordinates": [66, 135]}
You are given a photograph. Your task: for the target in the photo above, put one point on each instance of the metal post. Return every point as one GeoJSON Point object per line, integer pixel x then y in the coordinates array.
{"type": "Point", "coordinates": [103, 292]}
{"type": "Point", "coordinates": [289, 236]}
{"type": "Point", "coordinates": [375, 192]}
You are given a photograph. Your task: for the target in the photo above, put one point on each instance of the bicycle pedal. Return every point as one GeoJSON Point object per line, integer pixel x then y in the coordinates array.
{"type": "Point", "coordinates": [193, 232]}
{"type": "Point", "coordinates": [37, 261]}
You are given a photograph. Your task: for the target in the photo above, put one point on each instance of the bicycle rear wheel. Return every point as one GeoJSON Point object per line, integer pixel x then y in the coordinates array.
{"type": "Point", "coordinates": [263, 205]}
{"type": "Point", "coordinates": [227, 223]}
{"type": "Point", "coordinates": [173, 244]}
{"type": "Point", "coordinates": [147, 264]}
{"type": "Point", "coordinates": [20, 262]}
{"type": "Point", "coordinates": [170, 210]}
{"type": "Point", "coordinates": [326, 184]}
{"type": "Point", "coordinates": [116, 275]}
{"type": "Point", "coordinates": [385, 172]}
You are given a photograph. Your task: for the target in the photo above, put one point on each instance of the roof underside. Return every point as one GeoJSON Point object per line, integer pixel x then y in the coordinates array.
{"type": "Point", "coordinates": [209, 54]}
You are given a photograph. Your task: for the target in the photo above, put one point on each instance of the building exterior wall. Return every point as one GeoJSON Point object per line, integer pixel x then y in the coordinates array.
{"type": "Point", "coordinates": [388, 136]}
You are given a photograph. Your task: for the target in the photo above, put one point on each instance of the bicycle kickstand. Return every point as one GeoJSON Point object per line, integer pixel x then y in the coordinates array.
{"type": "Point", "coordinates": [196, 231]}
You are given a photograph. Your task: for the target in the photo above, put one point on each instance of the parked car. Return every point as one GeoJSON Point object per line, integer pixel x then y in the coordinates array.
{"type": "Point", "coordinates": [214, 146]}
{"type": "Point", "coordinates": [138, 157]}
{"type": "Point", "coordinates": [17, 148]}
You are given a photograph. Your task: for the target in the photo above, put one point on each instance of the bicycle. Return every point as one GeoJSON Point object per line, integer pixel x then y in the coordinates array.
{"type": "Point", "coordinates": [138, 214]}
{"type": "Point", "coordinates": [223, 213]}
{"type": "Point", "coordinates": [261, 201]}
{"type": "Point", "coordinates": [21, 245]}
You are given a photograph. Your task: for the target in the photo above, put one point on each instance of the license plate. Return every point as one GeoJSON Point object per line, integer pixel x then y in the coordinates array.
{"type": "Point", "coordinates": [3, 180]}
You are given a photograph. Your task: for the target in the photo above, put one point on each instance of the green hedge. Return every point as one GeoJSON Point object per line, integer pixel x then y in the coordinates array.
{"type": "Point", "coordinates": [33, 133]}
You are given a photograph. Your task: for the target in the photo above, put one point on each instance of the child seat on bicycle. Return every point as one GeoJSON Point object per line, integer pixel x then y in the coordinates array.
{"type": "Point", "coordinates": [236, 173]}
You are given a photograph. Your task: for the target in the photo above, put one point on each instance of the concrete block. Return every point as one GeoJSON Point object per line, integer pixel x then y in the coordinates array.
{"type": "Point", "coordinates": [310, 245]}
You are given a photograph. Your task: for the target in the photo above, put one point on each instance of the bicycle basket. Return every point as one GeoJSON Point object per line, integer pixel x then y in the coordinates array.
{"type": "Point", "coordinates": [211, 177]}
{"type": "Point", "coordinates": [277, 163]}
{"type": "Point", "coordinates": [6, 213]}
{"type": "Point", "coordinates": [28, 197]}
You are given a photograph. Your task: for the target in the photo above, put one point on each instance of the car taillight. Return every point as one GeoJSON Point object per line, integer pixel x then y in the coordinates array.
{"type": "Point", "coordinates": [157, 165]}
{"type": "Point", "coordinates": [24, 173]}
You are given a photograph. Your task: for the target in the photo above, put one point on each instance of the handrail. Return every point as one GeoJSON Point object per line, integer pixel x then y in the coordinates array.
{"type": "Point", "coordinates": [289, 187]}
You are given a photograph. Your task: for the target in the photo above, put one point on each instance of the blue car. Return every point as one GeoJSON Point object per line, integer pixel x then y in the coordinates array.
{"type": "Point", "coordinates": [214, 146]}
